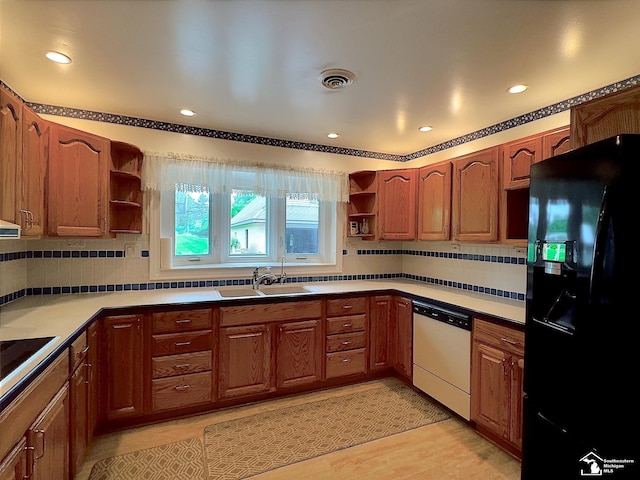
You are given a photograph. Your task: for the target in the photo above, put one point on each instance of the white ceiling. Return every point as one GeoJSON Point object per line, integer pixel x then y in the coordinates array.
{"type": "Point", "coordinates": [253, 66]}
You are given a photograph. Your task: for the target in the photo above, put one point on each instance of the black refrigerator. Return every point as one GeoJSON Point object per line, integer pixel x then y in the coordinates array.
{"type": "Point", "coordinates": [581, 367]}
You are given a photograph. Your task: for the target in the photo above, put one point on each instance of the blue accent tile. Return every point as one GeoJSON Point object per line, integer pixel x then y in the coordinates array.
{"type": "Point", "coordinates": [144, 253]}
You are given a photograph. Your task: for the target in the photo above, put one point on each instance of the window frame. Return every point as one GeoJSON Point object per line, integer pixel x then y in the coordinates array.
{"type": "Point", "coordinates": [220, 261]}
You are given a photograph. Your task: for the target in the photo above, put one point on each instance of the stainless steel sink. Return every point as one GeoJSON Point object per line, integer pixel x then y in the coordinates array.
{"type": "Point", "coordinates": [238, 292]}
{"type": "Point", "coordinates": [283, 289]}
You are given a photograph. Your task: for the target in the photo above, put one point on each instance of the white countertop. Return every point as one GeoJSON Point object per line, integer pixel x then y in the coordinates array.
{"type": "Point", "coordinates": [60, 316]}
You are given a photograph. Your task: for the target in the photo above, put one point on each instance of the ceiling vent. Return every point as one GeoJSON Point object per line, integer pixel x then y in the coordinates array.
{"type": "Point", "coordinates": [336, 78]}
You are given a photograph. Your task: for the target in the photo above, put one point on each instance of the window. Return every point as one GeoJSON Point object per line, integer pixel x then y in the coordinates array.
{"type": "Point", "coordinates": [207, 213]}
{"type": "Point", "coordinates": [245, 227]}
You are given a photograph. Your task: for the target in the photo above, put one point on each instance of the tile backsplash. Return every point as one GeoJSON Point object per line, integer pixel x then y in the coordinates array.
{"type": "Point", "coordinates": [52, 266]}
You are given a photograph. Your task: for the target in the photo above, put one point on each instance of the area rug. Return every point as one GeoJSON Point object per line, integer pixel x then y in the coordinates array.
{"type": "Point", "coordinates": [176, 461]}
{"type": "Point", "coordinates": [244, 447]}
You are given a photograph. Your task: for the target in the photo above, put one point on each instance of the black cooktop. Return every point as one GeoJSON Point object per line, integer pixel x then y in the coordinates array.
{"type": "Point", "coordinates": [14, 353]}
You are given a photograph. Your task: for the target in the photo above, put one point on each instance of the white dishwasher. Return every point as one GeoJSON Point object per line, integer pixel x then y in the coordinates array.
{"type": "Point", "coordinates": [442, 356]}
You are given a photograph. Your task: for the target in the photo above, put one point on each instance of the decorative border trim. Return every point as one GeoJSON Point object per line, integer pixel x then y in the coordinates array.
{"type": "Point", "coordinates": [559, 107]}
{"type": "Point", "coordinates": [124, 287]}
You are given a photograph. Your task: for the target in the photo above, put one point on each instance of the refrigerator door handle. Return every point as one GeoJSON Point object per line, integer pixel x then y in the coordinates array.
{"type": "Point", "coordinates": [597, 264]}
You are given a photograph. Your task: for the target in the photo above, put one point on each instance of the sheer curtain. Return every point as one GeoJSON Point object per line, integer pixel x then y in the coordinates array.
{"type": "Point", "coordinates": [172, 171]}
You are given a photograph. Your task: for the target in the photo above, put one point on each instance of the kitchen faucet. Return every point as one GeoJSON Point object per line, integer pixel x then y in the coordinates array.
{"type": "Point", "coordinates": [268, 278]}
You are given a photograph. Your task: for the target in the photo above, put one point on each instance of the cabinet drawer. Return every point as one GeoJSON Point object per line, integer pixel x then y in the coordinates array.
{"type": "Point", "coordinates": [346, 306]}
{"type": "Point", "coordinates": [346, 363]}
{"type": "Point", "coordinates": [345, 341]}
{"type": "Point", "coordinates": [172, 343]}
{"type": "Point", "coordinates": [78, 351]}
{"type": "Point", "coordinates": [181, 391]}
{"type": "Point", "coordinates": [499, 336]}
{"type": "Point", "coordinates": [351, 323]}
{"type": "Point", "coordinates": [172, 365]}
{"type": "Point", "coordinates": [181, 321]}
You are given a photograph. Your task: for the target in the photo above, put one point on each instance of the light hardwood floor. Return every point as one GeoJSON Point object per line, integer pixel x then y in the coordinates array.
{"type": "Point", "coordinates": [446, 450]}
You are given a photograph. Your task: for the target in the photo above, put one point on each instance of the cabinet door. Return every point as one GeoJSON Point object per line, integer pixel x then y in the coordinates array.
{"type": "Point", "coordinates": [93, 374]}
{"type": "Point", "coordinates": [396, 204]}
{"type": "Point", "coordinates": [434, 202]}
{"type": "Point", "coordinates": [48, 440]}
{"type": "Point", "coordinates": [380, 332]}
{"type": "Point", "coordinates": [516, 400]}
{"type": "Point", "coordinates": [10, 153]}
{"type": "Point", "coordinates": [35, 153]}
{"type": "Point", "coordinates": [490, 384]}
{"type": "Point", "coordinates": [123, 370]}
{"type": "Point", "coordinates": [14, 466]}
{"type": "Point", "coordinates": [605, 117]}
{"type": "Point", "coordinates": [245, 361]}
{"type": "Point", "coordinates": [556, 142]}
{"type": "Point", "coordinates": [299, 354]}
{"type": "Point", "coordinates": [474, 207]}
{"type": "Point", "coordinates": [78, 425]}
{"type": "Point", "coordinates": [517, 158]}
{"type": "Point", "coordinates": [78, 183]}
{"type": "Point", "coordinates": [403, 337]}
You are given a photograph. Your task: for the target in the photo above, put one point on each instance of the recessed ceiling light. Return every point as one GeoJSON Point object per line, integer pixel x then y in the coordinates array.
{"type": "Point", "coordinates": [333, 135]}
{"type": "Point", "coordinates": [426, 128]}
{"type": "Point", "coordinates": [518, 89]}
{"type": "Point", "coordinates": [187, 113]}
{"type": "Point", "coordinates": [58, 57]}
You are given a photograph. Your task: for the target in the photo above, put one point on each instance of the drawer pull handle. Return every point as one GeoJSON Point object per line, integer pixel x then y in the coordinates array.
{"type": "Point", "coordinates": [182, 388]}
{"type": "Point", "coordinates": [509, 341]}
{"type": "Point", "coordinates": [346, 343]}
{"type": "Point", "coordinates": [346, 360]}
{"type": "Point", "coordinates": [182, 344]}
{"type": "Point", "coordinates": [346, 325]}
{"type": "Point", "coordinates": [84, 350]}
{"type": "Point", "coordinates": [184, 320]}
{"type": "Point", "coordinates": [347, 307]}
{"type": "Point", "coordinates": [182, 365]}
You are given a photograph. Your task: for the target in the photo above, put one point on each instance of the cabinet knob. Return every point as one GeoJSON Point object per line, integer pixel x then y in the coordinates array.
{"type": "Point", "coordinates": [346, 360]}
{"type": "Point", "coordinates": [346, 325]}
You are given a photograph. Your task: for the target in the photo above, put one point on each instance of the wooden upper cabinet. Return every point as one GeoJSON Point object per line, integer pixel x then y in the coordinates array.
{"type": "Point", "coordinates": [605, 117]}
{"type": "Point", "coordinates": [474, 206]}
{"type": "Point", "coordinates": [397, 204]}
{"type": "Point", "coordinates": [434, 202]}
{"type": "Point", "coordinates": [78, 183]}
{"type": "Point", "coordinates": [35, 153]}
{"type": "Point", "coordinates": [555, 142]}
{"type": "Point", "coordinates": [517, 158]}
{"type": "Point", "coordinates": [10, 153]}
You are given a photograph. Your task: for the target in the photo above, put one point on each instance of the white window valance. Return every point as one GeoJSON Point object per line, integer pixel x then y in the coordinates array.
{"type": "Point", "coordinates": [182, 172]}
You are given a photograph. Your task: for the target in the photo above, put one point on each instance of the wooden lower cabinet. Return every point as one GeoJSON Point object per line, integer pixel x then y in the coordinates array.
{"type": "Point", "coordinates": [123, 366]}
{"type": "Point", "coordinates": [299, 353]}
{"type": "Point", "coordinates": [48, 440]}
{"type": "Point", "coordinates": [346, 337]}
{"type": "Point", "coordinates": [380, 332]}
{"type": "Point", "coordinates": [496, 382]}
{"type": "Point", "coordinates": [181, 347]}
{"type": "Point", "coordinates": [14, 466]}
{"type": "Point", "coordinates": [403, 336]}
{"type": "Point", "coordinates": [78, 429]}
{"type": "Point", "coordinates": [245, 361]}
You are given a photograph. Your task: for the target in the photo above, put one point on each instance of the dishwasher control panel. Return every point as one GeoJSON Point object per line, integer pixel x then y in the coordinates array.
{"type": "Point", "coordinates": [456, 319]}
